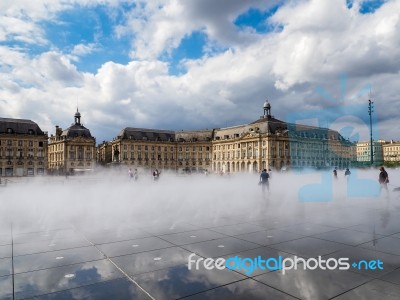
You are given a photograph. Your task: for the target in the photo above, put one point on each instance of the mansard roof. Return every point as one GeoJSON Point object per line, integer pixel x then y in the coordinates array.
{"type": "Point", "coordinates": [19, 126]}
{"type": "Point", "coordinates": [146, 134]}
{"type": "Point", "coordinates": [77, 130]}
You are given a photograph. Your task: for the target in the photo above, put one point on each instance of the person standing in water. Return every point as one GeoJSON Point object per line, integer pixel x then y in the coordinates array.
{"type": "Point", "coordinates": [156, 175]}
{"type": "Point", "coordinates": [264, 180]}
{"type": "Point", "coordinates": [135, 175]}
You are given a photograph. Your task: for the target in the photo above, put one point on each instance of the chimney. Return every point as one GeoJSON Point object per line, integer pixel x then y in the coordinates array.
{"type": "Point", "coordinates": [58, 130]}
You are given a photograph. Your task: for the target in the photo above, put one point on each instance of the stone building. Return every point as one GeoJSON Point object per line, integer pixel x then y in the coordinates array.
{"type": "Point", "coordinates": [163, 149]}
{"type": "Point", "coordinates": [23, 148]}
{"type": "Point", "coordinates": [104, 153]}
{"type": "Point", "coordinates": [271, 143]}
{"type": "Point", "coordinates": [72, 150]}
{"type": "Point", "coordinates": [364, 152]}
{"type": "Point", "coordinates": [391, 152]}
{"type": "Point", "coordinates": [265, 143]}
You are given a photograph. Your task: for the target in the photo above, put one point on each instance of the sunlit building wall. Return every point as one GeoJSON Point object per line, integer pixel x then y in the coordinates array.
{"type": "Point", "coordinates": [72, 150]}
{"type": "Point", "coordinates": [265, 143]}
{"type": "Point", "coordinates": [23, 148]}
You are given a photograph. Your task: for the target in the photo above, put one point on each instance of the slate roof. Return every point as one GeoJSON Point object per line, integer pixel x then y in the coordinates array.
{"type": "Point", "coordinates": [76, 130]}
{"type": "Point", "coordinates": [19, 126]}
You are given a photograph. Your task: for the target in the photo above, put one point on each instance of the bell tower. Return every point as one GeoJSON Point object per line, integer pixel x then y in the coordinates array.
{"type": "Point", "coordinates": [267, 109]}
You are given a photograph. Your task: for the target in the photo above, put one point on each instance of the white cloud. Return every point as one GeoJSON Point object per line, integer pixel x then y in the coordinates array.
{"type": "Point", "coordinates": [323, 38]}
{"type": "Point", "coordinates": [160, 27]}
{"type": "Point", "coordinates": [320, 40]}
{"type": "Point", "coordinates": [82, 49]}
{"type": "Point", "coordinates": [21, 30]}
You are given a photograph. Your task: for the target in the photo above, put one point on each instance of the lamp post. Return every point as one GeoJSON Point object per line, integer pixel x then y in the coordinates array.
{"type": "Point", "coordinates": [370, 111]}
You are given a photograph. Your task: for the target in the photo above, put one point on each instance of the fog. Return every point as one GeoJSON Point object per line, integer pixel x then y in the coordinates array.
{"type": "Point", "coordinates": [110, 200]}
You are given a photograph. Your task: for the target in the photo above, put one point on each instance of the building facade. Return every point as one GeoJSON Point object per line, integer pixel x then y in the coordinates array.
{"type": "Point", "coordinates": [23, 148]}
{"type": "Point", "coordinates": [104, 153]}
{"type": "Point", "coordinates": [264, 143]}
{"type": "Point", "coordinates": [391, 153]}
{"type": "Point", "coordinates": [364, 152]}
{"type": "Point", "coordinates": [72, 150]}
{"type": "Point", "coordinates": [271, 143]}
{"type": "Point", "coordinates": [163, 149]}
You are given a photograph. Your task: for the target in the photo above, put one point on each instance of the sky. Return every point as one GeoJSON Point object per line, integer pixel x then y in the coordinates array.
{"type": "Point", "coordinates": [201, 64]}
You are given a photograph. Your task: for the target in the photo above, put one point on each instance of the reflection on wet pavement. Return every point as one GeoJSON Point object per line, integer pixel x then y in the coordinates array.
{"type": "Point", "coordinates": [147, 258]}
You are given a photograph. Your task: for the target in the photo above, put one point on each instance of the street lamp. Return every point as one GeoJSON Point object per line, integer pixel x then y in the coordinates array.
{"type": "Point", "coordinates": [370, 111]}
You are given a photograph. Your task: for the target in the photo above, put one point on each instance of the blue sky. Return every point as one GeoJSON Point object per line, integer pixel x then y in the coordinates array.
{"type": "Point", "coordinates": [96, 26]}
{"type": "Point", "coordinates": [130, 63]}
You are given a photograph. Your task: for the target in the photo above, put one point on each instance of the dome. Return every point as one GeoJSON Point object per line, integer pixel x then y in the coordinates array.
{"type": "Point", "coordinates": [77, 130]}
{"type": "Point", "coordinates": [77, 114]}
{"type": "Point", "coordinates": [266, 104]}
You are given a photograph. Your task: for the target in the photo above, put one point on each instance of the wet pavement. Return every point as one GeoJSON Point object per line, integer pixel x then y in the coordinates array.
{"type": "Point", "coordinates": [149, 260]}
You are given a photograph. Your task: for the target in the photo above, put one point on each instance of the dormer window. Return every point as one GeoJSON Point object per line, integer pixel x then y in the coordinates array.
{"type": "Point", "coordinates": [30, 131]}
{"type": "Point", "coordinates": [10, 130]}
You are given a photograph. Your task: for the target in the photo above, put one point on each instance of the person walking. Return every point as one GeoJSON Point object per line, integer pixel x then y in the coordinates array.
{"type": "Point", "coordinates": [383, 179]}
{"type": "Point", "coordinates": [130, 174]}
{"type": "Point", "coordinates": [264, 180]}
{"type": "Point", "coordinates": [335, 173]}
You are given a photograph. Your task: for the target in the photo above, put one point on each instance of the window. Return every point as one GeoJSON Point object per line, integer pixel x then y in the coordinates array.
{"type": "Point", "coordinates": [40, 144]}
{"type": "Point", "coordinates": [30, 143]}
{"type": "Point", "coordinates": [80, 152]}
